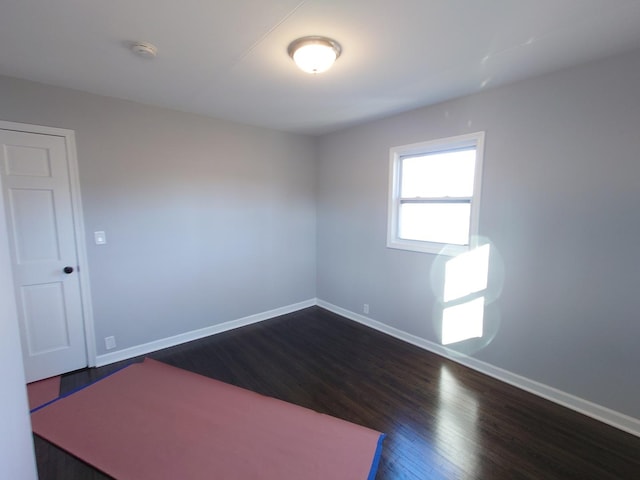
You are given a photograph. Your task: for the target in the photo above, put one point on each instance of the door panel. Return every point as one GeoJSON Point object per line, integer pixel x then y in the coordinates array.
{"type": "Point", "coordinates": [27, 161]}
{"type": "Point", "coordinates": [35, 234]}
{"type": "Point", "coordinates": [35, 183]}
{"type": "Point", "coordinates": [45, 325]}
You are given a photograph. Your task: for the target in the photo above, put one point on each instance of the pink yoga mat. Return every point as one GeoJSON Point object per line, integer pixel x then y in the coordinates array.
{"type": "Point", "coordinates": [153, 421]}
{"type": "Point", "coordinates": [43, 391]}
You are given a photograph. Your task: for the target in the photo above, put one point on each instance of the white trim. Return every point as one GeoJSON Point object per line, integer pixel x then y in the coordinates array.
{"type": "Point", "coordinates": [149, 347]}
{"type": "Point", "coordinates": [78, 222]}
{"type": "Point", "coordinates": [598, 412]}
{"type": "Point", "coordinates": [475, 140]}
{"type": "Point", "coordinates": [81, 246]}
{"type": "Point", "coordinates": [474, 226]}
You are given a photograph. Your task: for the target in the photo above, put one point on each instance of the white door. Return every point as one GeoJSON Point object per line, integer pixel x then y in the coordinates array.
{"type": "Point", "coordinates": [34, 174]}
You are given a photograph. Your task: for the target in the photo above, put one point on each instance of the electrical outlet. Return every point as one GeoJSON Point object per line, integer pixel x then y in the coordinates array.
{"type": "Point", "coordinates": [365, 308]}
{"type": "Point", "coordinates": [110, 343]}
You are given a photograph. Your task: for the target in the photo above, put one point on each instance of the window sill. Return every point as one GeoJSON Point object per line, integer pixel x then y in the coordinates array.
{"type": "Point", "coordinates": [428, 247]}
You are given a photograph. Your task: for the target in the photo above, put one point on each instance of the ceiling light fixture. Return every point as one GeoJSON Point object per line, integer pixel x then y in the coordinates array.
{"type": "Point", "coordinates": [314, 54]}
{"type": "Point", "coordinates": [144, 49]}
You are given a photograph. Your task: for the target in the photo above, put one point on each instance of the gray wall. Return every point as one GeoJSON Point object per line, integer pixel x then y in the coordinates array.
{"type": "Point", "coordinates": [206, 221]}
{"type": "Point", "coordinates": [560, 203]}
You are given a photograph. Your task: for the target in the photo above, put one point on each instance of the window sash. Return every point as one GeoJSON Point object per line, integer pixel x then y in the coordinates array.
{"type": "Point", "coordinates": [436, 200]}
{"type": "Point", "coordinates": [435, 222]}
{"type": "Point", "coordinates": [454, 175]}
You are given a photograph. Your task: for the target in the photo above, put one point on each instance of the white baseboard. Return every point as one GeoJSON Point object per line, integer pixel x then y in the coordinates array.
{"type": "Point", "coordinates": [145, 348]}
{"type": "Point", "coordinates": [615, 419]}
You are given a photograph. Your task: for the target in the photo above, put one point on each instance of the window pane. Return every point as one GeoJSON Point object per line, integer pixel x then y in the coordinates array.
{"type": "Point", "coordinates": [435, 222]}
{"type": "Point", "coordinates": [441, 174]}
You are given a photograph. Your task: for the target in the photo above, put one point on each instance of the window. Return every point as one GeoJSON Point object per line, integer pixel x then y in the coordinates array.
{"type": "Point", "coordinates": [434, 192]}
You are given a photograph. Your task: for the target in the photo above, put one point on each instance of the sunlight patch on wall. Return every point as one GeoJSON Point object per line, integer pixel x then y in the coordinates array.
{"type": "Point", "coordinates": [467, 273]}
{"type": "Point", "coordinates": [462, 322]}
{"type": "Point", "coordinates": [466, 277]}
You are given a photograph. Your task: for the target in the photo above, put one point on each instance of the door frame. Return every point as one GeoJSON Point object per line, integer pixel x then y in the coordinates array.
{"type": "Point", "coordinates": [69, 137]}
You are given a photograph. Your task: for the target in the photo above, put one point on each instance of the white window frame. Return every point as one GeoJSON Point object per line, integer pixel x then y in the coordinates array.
{"type": "Point", "coordinates": [474, 140]}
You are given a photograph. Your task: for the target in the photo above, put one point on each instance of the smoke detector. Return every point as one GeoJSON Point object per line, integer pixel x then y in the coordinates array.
{"type": "Point", "coordinates": [144, 49]}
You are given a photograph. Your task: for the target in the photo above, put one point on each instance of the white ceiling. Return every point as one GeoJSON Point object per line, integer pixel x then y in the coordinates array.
{"type": "Point", "coordinates": [228, 59]}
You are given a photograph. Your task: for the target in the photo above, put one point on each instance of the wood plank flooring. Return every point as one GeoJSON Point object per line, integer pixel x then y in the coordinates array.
{"type": "Point", "coordinates": [442, 420]}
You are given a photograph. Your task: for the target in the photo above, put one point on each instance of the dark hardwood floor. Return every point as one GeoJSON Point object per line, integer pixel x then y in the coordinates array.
{"type": "Point", "coordinates": [442, 420]}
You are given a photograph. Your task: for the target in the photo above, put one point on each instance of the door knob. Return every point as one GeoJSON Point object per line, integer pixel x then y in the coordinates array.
{"type": "Point", "coordinates": [67, 270]}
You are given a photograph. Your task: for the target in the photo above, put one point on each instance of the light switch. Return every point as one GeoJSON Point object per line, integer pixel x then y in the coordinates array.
{"type": "Point", "coordinates": [100, 237]}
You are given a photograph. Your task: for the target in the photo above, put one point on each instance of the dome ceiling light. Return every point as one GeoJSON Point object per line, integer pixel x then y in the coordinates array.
{"type": "Point", "coordinates": [314, 54]}
{"type": "Point", "coordinates": [144, 49]}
